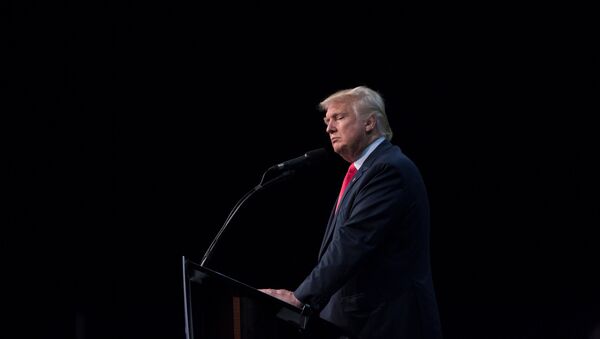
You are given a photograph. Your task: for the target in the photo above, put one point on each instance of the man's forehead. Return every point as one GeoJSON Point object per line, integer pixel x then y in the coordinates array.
{"type": "Point", "coordinates": [338, 107]}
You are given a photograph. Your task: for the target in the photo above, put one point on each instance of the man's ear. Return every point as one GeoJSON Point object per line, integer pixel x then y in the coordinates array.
{"type": "Point", "coordinates": [370, 123]}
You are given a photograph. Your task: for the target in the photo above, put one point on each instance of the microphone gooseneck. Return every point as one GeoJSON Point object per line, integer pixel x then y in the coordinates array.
{"type": "Point", "coordinates": [237, 206]}
{"type": "Point", "coordinates": [288, 167]}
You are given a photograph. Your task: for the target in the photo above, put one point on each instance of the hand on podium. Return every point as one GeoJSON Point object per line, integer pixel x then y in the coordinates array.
{"type": "Point", "coordinates": [285, 295]}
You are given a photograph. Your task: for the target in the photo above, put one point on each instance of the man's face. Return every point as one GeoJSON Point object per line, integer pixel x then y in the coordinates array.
{"type": "Point", "coordinates": [346, 131]}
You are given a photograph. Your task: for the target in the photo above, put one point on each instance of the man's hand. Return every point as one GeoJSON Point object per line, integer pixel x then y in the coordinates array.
{"type": "Point", "coordinates": [284, 295]}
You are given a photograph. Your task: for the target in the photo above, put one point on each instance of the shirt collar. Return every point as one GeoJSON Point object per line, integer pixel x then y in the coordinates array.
{"type": "Point", "coordinates": [358, 163]}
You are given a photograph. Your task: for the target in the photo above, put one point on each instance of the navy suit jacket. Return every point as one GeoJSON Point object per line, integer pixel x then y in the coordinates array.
{"type": "Point", "coordinates": [373, 276]}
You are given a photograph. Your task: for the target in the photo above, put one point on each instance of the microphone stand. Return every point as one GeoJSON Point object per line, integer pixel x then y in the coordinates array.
{"type": "Point", "coordinates": [239, 204]}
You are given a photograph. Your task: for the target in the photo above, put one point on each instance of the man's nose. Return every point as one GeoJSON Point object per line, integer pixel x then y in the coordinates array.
{"type": "Point", "coordinates": [330, 127]}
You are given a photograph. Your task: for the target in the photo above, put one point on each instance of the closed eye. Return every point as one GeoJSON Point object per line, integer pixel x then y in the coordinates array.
{"type": "Point", "coordinates": [335, 117]}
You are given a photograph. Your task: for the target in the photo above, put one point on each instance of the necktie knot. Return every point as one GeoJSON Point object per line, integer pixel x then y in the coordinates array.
{"type": "Point", "coordinates": [349, 174]}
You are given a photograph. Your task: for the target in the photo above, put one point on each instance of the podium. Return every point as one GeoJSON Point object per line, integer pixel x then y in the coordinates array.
{"type": "Point", "coordinates": [220, 307]}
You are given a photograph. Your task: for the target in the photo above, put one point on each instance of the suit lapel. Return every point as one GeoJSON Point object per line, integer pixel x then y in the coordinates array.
{"type": "Point", "coordinates": [328, 231]}
{"type": "Point", "coordinates": [332, 224]}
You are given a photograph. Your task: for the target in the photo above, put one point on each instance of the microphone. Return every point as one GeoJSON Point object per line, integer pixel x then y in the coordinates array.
{"type": "Point", "coordinates": [307, 159]}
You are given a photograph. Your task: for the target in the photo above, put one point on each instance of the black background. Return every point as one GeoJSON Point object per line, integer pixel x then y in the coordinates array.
{"type": "Point", "coordinates": [132, 128]}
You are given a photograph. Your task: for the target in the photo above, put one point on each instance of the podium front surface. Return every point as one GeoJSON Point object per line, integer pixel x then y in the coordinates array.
{"type": "Point", "coordinates": [220, 307]}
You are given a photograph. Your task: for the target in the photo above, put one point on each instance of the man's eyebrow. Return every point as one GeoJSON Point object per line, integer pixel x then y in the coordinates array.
{"type": "Point", "coordinates": [336, 114]}
{"type": "Point", "coordinates": [326, 118]}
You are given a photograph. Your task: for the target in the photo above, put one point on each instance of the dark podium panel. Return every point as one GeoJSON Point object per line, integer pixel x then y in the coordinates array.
{"type": "Point", "coordinates": [219, 307]}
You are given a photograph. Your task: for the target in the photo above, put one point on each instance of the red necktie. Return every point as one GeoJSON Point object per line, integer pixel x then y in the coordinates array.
{"type": "Point", "coordinates": [347, 179]}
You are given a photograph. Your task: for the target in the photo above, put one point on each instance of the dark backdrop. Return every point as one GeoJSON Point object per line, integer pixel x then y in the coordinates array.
{"type": "Point", "coordinates": [133, 128]}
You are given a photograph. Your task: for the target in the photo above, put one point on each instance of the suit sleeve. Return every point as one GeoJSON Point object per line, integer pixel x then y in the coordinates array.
{"type": "Point", "coordinates": [371, 210]}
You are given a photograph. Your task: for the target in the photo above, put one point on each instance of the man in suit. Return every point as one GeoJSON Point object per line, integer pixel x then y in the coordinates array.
{"type": "Point", "coordinates": [373, 277]}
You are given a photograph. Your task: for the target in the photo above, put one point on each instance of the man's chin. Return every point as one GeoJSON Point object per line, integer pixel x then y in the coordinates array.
{"type": "Point", "coordinates": [339, 150]}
